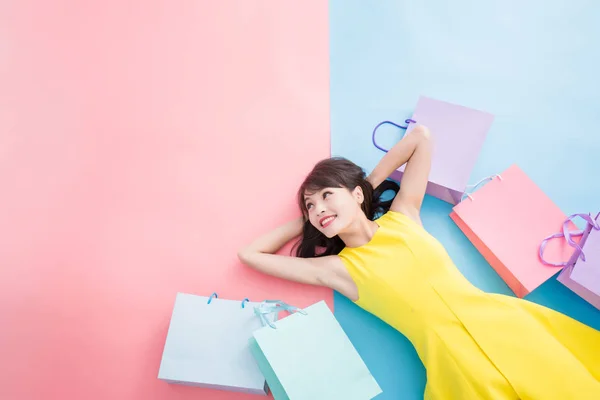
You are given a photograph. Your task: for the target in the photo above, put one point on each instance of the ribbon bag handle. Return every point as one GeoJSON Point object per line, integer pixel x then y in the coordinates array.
{"type": "Point", "coordinates": [591, 224]}
{"type": "Point", "coordinates": [268, 307]}
{"type": "Point", "coordinates": [556, 236]}
{"type": "Point", "coordinates": [468, 193]}
{"type": "Point", "coordinates": [568, 235]}
{"type": "Point", "coordinates": [407, 121]}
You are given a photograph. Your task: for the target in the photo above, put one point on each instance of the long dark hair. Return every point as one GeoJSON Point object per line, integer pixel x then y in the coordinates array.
{"type": "Point", "coordinates": [342, 173]}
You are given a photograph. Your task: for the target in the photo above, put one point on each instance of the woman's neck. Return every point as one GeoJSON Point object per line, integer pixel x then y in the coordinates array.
{"type": "Point", "coordinates": [359, 233]}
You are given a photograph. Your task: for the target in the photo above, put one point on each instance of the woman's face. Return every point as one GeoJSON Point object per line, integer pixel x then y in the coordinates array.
{"type": "Point", "coordinates": [331, 210]}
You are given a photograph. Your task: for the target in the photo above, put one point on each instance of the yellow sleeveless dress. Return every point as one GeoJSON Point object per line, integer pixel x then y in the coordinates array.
{"type": "Point", "coordinates": [474, 345]}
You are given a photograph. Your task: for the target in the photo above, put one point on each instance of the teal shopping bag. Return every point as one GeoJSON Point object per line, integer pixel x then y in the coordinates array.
{"type": "Point", "coordinates": [307, 355]}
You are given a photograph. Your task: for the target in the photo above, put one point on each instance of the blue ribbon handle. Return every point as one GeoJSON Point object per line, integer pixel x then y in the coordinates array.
{"type": "Point", "coordinates": [269, 307]}
{"type": "Point", "coordinates": [214, 295]}
{"type": "Point", "coordinates": [471, 188]}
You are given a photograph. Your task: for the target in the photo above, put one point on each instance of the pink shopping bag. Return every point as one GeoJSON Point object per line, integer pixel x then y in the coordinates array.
{"type": "Point", "coordinates": [506, 220]}
{"type": "Point", "coordinates": [581, 273]}
{"type": "Point", "coordinates": [458, 134]}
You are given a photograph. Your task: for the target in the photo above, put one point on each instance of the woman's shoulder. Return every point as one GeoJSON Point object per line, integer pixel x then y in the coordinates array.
{"type": "Point", "coordinates": [398, 218]}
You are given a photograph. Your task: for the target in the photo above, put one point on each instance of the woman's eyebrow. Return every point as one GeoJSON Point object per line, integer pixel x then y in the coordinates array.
{"type": "Point", "coordinates": [312, 194]}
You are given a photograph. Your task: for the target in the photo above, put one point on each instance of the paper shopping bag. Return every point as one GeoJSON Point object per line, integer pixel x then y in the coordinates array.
{"type": "Point", "coordinates": [581, 273]}
{"type": "Point", "coordinates": [207, 345]}
{"type": "Point", "coordinates": [506, 219]}
{"type": "Point", "coordinates": [307, 355]}
{"type": "Point", "coordinates": [587, 266]}
{"type": "Point", "coordinates": [458, 134]}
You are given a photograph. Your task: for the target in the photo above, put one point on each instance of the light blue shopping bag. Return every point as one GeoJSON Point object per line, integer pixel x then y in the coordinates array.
{"type": "Point", "coordinates": [207, 345]}
{"type": "Point", "coordinates": [307, 355]}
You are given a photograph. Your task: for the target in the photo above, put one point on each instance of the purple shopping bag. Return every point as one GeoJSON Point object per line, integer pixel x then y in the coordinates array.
{"type": "Point", "coordinates": [458, 134]}
{"type": "Point", "coordinates": [581, 273]}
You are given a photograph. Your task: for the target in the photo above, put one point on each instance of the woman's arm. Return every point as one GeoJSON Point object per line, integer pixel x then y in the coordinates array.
{"type": "Point", "coordinates": [260, 256]}
{"type": "Point", "coordinates": [274, 240]}
{"type": "Point", "coordinates": [397, 155]}
{"type": "Point", "coordinates": [414, 150]}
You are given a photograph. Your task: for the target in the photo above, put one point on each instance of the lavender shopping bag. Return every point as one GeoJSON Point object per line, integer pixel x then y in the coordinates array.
{"type": "Point", "coordinates": [581, 273]}
{"type": "Point", "coordinates": [458, 134]}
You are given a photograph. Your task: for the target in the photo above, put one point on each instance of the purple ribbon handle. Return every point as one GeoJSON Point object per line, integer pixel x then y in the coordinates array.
{"type": "Point", "coordinates": [555, 236]}
{"type": "Point", "coordinates": [587, 218]}
{"type": "Point", "coordinates": [407, 121]}
{"type": "Point", "coordinates": [568, 235]}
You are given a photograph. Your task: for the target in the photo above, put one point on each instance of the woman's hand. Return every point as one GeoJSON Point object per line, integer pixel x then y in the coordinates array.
{"type": "Point", "coordinates": [260, 256]}
{"type": "Point", "coordinates": [272, 241]}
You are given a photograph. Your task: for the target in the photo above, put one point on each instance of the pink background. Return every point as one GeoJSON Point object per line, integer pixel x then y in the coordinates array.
{"type": "Point", "coordinates": [141, 144]}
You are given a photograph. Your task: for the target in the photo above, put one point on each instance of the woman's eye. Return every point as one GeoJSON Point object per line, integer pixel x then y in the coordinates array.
{"type": "Point", "coordinates": [308, 206]}
{"type": "Point", "coordinates": [326, 194]}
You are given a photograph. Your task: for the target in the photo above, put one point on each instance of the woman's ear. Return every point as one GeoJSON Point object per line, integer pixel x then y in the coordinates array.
{"type": "Point", "coordinates": [358, 194]}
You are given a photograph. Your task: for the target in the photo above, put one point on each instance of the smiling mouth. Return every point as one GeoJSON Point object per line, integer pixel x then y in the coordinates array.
{"type": "Point", "coordinates": [327, 221]}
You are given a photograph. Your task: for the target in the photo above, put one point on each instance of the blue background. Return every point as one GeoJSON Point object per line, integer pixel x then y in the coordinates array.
{"type": "Point", "coordinates": [534, 66]}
